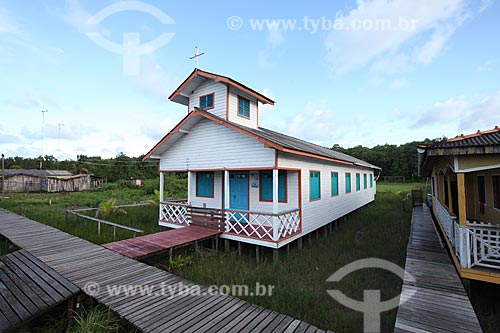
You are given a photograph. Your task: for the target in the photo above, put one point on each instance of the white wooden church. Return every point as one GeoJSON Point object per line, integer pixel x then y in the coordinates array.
{"type": "Point", "coordinates": [258, 186]}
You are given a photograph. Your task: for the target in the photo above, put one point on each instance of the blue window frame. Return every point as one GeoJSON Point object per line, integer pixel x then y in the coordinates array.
{"type": "Point", "coordinates": [205, 184]}
{"type": "Point", "coordinates": [347, 183]}
{"type": "Point", "coordinates": [371, 180]}
{"type": "Point", "coordinates": [266, 185]}
{"type": "Point", "coordinates": [243, 107]}
{"type": "Point", "coordinates": [335, 183]}
{"type": "Point", "coordinates": [207, 101]}
{"type": "Point", "coordinates": [365, 182]}
{"type": "Point", "coordinates": [314, 185]}
{"type": "Point", "coordinates": [358, 182]}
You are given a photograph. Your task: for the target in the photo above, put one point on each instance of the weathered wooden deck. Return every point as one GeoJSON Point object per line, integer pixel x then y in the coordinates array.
{"type": "Point", "coordinates": [90, 265]}
{"type": "Point", "coordinates": [29, 288]}
{"type": "Point", "coordinates": [148, 245]}
{"type": "Point", "coordinates": [440, 303]}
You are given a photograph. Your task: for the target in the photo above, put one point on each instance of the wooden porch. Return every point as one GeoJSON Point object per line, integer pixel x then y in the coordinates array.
{"type": "Point", "coordinates": [474, 247]}
{"type": "Point", "coordinates": [148, 245]}
{"type": "Point", "coordinates": [262, 226]}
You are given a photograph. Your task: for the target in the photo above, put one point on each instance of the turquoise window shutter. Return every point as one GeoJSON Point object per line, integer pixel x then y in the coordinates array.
{"type": "Point", "coordinates": [314, 185]}
{"type": "Point", "coordinates": [335, 183]}
{"type": "Point", "coordinates": [204, 184]}
{"type": "Point", "coordinates": [347, 183]}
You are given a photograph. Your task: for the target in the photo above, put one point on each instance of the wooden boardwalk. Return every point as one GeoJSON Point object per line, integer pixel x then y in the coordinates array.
{"type": "Point", "coordinates": [96, 270]}
{"type": "Point", "coordinates": [439, 302]}
{"type": "Point", "coordinates": [147, 245]}
{"type": "Point", "coordinates": [29, 288]}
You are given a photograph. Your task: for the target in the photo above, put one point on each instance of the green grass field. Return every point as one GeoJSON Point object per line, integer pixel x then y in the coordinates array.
{"type": "Point", "coordinates": [378, 230]}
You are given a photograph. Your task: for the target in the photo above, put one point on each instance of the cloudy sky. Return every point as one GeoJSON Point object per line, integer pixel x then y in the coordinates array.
{"type": "Point", "coordinates": [346, 72]}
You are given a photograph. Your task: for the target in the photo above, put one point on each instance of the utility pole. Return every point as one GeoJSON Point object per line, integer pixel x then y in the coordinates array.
{"type": "Point", "coordinates": [43, 130]}
{"type": "Point", "coordinates": [59, 143]}
{"type": "Point", "coordinates": [3, 174]}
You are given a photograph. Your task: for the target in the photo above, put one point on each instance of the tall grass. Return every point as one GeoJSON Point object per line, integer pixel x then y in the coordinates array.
{"type": "Point", "coordinates": [51, 210]}
{"type": "Point", "coordinates": [379, 230]}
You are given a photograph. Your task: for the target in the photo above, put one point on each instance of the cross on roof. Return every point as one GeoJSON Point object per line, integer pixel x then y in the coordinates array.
{"type": "Point", "coordinates": [196, 55]}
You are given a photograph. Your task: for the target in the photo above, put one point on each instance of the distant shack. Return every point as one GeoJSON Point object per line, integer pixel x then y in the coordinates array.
{"type": "Point", "coordinates": [51, 181]}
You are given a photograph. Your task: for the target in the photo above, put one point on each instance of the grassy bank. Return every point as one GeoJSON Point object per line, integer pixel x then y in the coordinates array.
{"type": "Point", "coordinates": [379, 230]}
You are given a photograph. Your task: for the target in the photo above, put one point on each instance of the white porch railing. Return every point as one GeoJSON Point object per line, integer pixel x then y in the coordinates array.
{"type": "Point", "coordinates": [259, 225]}
{"type": "Point", "coordinates": [174, 212]}
{"type": "Point", "coordinates": [263, 225]}
{"type": "Point", "coordinates": [477, 244]}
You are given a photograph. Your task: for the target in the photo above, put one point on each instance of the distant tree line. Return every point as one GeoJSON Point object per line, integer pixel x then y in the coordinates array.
{"type": "Point", "coordinates": [121, 167]}
{"type": "Point", "coordinates": [394, 160]}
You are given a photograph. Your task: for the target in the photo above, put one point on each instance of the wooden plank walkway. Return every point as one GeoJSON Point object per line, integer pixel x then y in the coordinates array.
{"type": "Point", "coordinates": [147, 245]}
{"type": "Point", "coordinates": [29, 288]}
{"type": "Point", "coordinates": [85, 263]}
{"type": "Point", "coordinates": [440, 303]}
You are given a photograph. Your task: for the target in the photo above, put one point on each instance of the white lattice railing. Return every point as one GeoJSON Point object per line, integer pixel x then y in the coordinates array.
{"type": "Point", "coordinates": [174, 212]}
{"type": "Point", "coordinates": [476, 244]}
{"type": "Point", "coordinates": [446, 220]}
{"type": "Point", "coordinates": [263, 225]}
{"type": "Point", "coordinates": [483, 241]}
{"type": "Point", "coordinates": [259, 225]}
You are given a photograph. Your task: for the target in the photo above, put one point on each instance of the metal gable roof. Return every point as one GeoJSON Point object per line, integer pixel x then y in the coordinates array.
{"type": "Point", "coordinates": [480, 138]}
{"type": "Point", "coordinates": [198, 76]}
{"type": "Point", "coordinates": [307, 147]}
{"type": "Point", "coordinates": [278, 140]}
{"type": "Point", "coordinates": [36, 172]}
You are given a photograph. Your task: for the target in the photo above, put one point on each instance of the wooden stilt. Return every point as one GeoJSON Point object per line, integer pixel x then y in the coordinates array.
{"type": "Point", "coordinates": [217, 243]}
{"type": "Point", "coordinates": [325, 231]}
{"type": "Point", "coordinates": [226, 245]}
{"type": "Point", "coordinates": [310, 239]}
{"type": "Point", "coordinates": [196, 248]}
{"type": "Point", "coordinates": [299, 243]}
{"type": "Point", "coordinates": [239, 249]}
{"type": "Point", "coordinates": [257, 253]}
{"type": "Point", "coordinates": [317, 233]}
{"type": "Point", "coordinates": [170, 254]}
{"type": "Point", "coordinates": [71, 311]}
{"type": "Point", "coordinates": [275, 255]}
{"type": "Point", "coordinates": [336, 222]}
{"type": "Point", "coordinates": [288, 248]}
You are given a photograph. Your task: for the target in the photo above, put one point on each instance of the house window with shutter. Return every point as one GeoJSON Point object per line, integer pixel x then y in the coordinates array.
{"type": "Point", "coordinates": [348, 183]}
{"type": "Point", "coordinates": [335, 183]}
{"type": "Point", "coordinates": [496, 191]}
{"type": "Point", "coordinates": [207, 101]}
{"type": "Point", "coordinates": [205, 184]}
{"type": "Point", "coordinates": [314, 185]}
{"type": "Point", "coordinates": [266, 185]}
{"type": "Point", "coordinates": [243, 107]}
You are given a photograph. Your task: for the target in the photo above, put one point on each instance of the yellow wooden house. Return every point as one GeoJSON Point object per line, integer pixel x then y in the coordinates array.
{"type": "Point", "coordinates": [465, 178]}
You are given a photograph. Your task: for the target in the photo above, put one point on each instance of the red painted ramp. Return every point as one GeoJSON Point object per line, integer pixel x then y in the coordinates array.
{"type": "Point", "coordinates": [147, 245]}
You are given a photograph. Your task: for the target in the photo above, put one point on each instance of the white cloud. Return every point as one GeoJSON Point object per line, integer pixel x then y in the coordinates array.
{"type": "Point", "coordinates": [153, 79]}
{"type": "Point", "coordinates": [486, 66]}
{"type": "Point", "coordinates": [317, 123]}
{"type": "Point", "coordinates": [8, 24]}
{"type": "Point", "coordinates": [442, 112]}
{"type": "Point", "coordinates": [483, 114]}
{"type": "Point", "coordinates": [467, 115]}
{"type": "Point", "coordinates": [399, 83]}
{"type": "Point", "coordinates": [390, 50]}
{"type": "Point", "coordinates": [275, 37]}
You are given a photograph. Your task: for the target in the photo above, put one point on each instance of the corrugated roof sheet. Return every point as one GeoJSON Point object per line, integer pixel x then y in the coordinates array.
{"type": "Point", "coordinates": [480, 138]}
{"type": "Point", "coordinates": [36, 172]}
{"type": "Point", "coordinates": [304, 146]}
